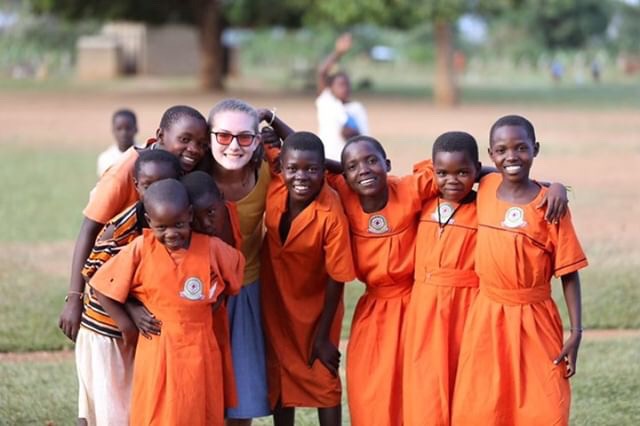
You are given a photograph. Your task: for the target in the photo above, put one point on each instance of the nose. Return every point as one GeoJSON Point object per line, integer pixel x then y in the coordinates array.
{"type": "Point", "coordinates": [194, 147]}
{"type": "Point", "coordinates": [301, 174]}
{"type": "Point", "coordinates": [363, 168]}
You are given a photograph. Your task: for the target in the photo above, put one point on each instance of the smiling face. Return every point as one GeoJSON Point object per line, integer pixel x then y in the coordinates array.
{"type": "Point", "coordinates": [365, 169]}
{"type": "Point", "coordinates": [303, 173]}
{"type": "Point", "coordinates": [233, 156]}
{"type": "Point", "coordinates": [512, 152]}
{"type": "Point", "coordinates": [170, 224]}
{"type": "Point", "coordinates": [187, 138]}
{"type": "Point", "coordinates": [455, 174]}
{"type": "Point", "coordinates": [124, 130]}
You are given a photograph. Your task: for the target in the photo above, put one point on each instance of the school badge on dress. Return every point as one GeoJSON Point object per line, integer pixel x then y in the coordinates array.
{"type": "Point", "coordinates": [514, 218]}
{"type": "Point", "coordinates": [192, 289]}
{"type": "Point", "coordinates": [378, 224]}
{"type": "Point", "coordinates": [443, 214]}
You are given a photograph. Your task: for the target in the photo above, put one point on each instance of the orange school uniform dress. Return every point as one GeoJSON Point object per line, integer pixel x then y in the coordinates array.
{"type": "Point", "coordinates": [445, 287]}
{"type": "Point", "coordinates": [115, 190]}
{"type": "Point", "coordinates": [383, 245]}
{"type": "Point", "coordinates": [177, 376]}
{"type": "Point", "coordinates": [513, 332]}
{"type": "Point", "coordinates": [294, 281]}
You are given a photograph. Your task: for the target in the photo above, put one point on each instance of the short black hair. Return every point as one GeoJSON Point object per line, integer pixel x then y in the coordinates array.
{"type": "Point", "coordinates": [166, 192]}
{"type": "Point", "coordinates": [199, 184]}
{"type": "Point", "coordinates": [359, 138]}
{"type": "Point", "coordinates": [157, 156]}
{"type": "Point", "coordinates": [124, 112]}
{"type": "Point", "coordinates": [303, 141]}
{"type": "Point", "coordinates": [175, 113]}
{"type": "Point", "coordinates": [514, 120]}
{"type": "Point", "coordinates": [456, 142]}
{"type": "Point", "coordinates": [333, 77]}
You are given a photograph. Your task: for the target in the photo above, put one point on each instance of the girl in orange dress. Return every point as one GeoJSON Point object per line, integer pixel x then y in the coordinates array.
{"type": "Point", "coordinates": [445, 282]}
{"type": "Point", "coordinates": [513, 368]}
{"type": "Point", "coordinates": [178, 275]}
{"type": "Point", "coordinates": [383, 217]}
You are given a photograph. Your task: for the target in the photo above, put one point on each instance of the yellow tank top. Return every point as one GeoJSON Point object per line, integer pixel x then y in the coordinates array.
{"type": "Point", "coordinates": [251, 212]}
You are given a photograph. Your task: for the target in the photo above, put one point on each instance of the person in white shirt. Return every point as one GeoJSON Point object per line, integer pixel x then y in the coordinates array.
{"type": "Point", "coordinates": [339, 118]}
{"type": "Point", "coordinates": [124, 126]}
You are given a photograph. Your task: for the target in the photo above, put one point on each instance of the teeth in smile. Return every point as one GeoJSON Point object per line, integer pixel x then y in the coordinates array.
{"type": "Point", "coordinates": [512, 168]}
{"type": "Point", "coordinates": [367, 181]}
{"type": "Point", "coordinates": [300, 187]}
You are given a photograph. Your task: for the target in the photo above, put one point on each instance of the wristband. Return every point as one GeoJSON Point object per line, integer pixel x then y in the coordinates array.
{"type": "Point", "coordinates": [79, 293]}
{"type": "Point", "coordinates": [273, 116]}
{"type": "Point", "coordinates": [578, 329]}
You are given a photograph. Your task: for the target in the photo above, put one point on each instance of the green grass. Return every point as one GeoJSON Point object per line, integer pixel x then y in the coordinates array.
{"type": "Point", "coordinates": [610, 297]}
{"type": "Point", "coordinates": [604, 390]}
{"type": "Point", "coordinates": [29, 308]}
{"type": "Point", "coordinates": [44, 192]}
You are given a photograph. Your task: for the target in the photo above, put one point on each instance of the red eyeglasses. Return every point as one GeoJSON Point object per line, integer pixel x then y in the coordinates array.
{"type": "Point", "coordinates": [225, 138]}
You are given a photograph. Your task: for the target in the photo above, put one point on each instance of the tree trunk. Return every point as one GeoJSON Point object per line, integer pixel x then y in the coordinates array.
{"type": "Point", "coordinates": [445, 90]}
{"type": "Point", "coordinates": [211, 49]}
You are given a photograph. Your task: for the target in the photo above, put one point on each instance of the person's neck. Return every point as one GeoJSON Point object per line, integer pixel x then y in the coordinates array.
{"type": "Point", "coordinates": [374, 203]}
{"type": "Point", "coordinates": [223, 175]}
{"type": "Point", "coordinates": [521, 192]}
{"type": "Point", "coordinates": [295, 208]}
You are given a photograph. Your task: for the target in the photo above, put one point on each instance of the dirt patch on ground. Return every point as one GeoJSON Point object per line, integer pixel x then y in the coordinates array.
{"type": "Point", "coordinates": [592, 150]}
{"type": "Point", "coordinates": [50, 258]}
{"type": "Point", "coordinates": [41, 356]}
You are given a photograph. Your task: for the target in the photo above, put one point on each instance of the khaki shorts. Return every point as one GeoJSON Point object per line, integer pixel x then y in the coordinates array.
{"type": "Point", "coordinates": [105, 372]}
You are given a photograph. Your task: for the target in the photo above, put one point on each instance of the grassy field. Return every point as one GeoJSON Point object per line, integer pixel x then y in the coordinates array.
{"type": "Point", "coordinates": [49, 160]}
{"type": "Point", "coordinates": [604, 390]}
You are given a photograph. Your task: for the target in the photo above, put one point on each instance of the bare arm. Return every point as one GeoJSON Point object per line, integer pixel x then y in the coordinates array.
{"type": "Point", "coordinates": [117, 311]}
{"type": "Point", "coordinates": [343, 44]}
{"type": "Point", "coordinates": [572, 296]}
{"type": "Point", "coordinates": [69, 321]}
{"type": "Point", "coordinates": [281, 129]}
{"type": "Point", "coordinates": [323, 349]}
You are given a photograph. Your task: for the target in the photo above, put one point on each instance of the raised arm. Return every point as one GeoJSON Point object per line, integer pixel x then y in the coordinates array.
{"type": "Point", "coordinates": [343, 44]}
{"type": "Point", "coordinates": [281, 129]}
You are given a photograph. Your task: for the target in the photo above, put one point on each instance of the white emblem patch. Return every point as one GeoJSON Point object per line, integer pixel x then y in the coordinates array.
{"type": "Point", "coordinates": [514, 218]}
{"type": "Point", "coordinates": [192, 289]}
{"type": "Point", "coordinates": [378, 224]}
{"type": "Point", "coordinates": [445, 214]}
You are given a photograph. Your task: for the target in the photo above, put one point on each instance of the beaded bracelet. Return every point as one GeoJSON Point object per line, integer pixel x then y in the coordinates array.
{"type": "Point", "coordinates": [79, 293]}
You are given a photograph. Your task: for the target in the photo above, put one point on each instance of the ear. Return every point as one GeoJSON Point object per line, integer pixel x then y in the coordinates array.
{"type": "Point", "coordinates": [536, 148]}
{"type": "Point", "coordinates": [489, 151]}
{"type": "Point", "coordinates": [159, 134]}
{"type": "Point", "coordinates": [387, 164]}
{"type": "Point", "coordinates": [147, 218]}
{"type": "Point", "coordinates": [191, 213]}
